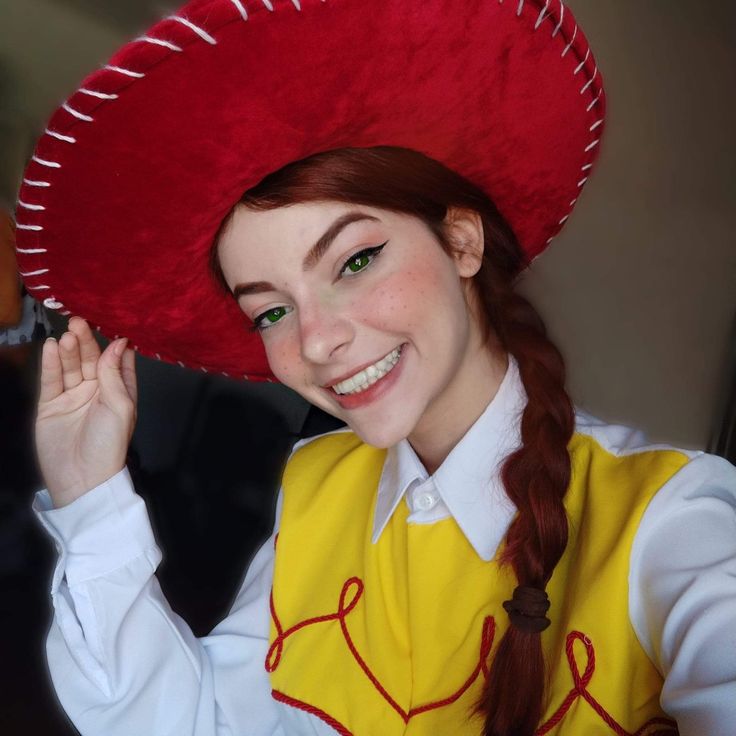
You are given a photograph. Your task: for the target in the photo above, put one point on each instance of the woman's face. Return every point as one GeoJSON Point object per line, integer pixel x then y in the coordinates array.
{"type": "Point", "coordinates": [361, 312]}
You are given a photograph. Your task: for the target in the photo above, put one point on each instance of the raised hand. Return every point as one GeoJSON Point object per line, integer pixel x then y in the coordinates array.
{"type": "Point", "coordinates": [86, 411]}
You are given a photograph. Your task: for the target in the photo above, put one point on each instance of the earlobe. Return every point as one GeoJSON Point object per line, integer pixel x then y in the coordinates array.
{"type": "Point", "coordinates": [465, 229]}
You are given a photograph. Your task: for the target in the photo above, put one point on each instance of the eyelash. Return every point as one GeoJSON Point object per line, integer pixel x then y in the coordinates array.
{"type": "Point", "coordinates": [372, 253]}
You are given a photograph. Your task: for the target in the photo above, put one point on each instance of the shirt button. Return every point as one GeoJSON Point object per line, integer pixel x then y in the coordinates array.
{"type": "Point", "coordinates": [425, 501]}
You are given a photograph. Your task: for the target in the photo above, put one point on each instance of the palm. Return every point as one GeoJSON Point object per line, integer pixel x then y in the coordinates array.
{"type": "Point", "coordinates": [86, 413]}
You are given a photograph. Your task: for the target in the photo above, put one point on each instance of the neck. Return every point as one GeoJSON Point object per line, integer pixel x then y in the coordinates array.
{"type": "Point", "coordinates": [445, 423]}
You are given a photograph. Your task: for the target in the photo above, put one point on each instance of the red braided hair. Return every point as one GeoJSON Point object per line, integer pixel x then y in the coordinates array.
{"type": "Point", "coordinates": [536, 475]}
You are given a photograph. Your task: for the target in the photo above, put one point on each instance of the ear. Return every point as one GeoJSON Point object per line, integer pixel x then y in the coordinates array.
{"type": "Point", "coordinates": [465, 230]}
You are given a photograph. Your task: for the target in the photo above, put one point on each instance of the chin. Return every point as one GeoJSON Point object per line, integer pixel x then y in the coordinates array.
{"type": "Point", "coordinates": [382, 435]}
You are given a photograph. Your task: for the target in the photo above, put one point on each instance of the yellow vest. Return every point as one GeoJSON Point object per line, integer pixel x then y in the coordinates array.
{"type": "Point", "coordinates": [396, 637]}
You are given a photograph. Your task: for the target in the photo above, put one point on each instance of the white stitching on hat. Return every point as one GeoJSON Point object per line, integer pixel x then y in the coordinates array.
{"type": "Point", "coordinates": [95, 93]}
{"type": "Point", "coordinates": [36, 207]}
{"type": "Point", "coordinates": [77, 114]}
{"type": "Point", "coordinates": [158, 356]}
{"type": "Point", "coordinates": [37, 228]}
{"type": "Point", "coordinates": [59, 136]}
{"type": "Point", "coordinates": [126, 72]}
{"type": "Point", "coordinates": [572, 40]}
{"type": "Point", "coordinates": [199, 31]}
{"type": "Point", "coordinates": [158, 42]}
{"type": "Point", "coordinates": [31, 250]}
{"type": "Point", "coordinates": [582, 63]}
{"type": "Point", "coordinates": [240, 8]}
{"type": "Point", "coordinates": [541, 15]}
{"type": "Point", "coordinates": [53, 304]}
{"type": "Point", "coordinates": [44, 162]}
{"type": "Point", "coordinates": [34, 273]}
{"type": "Point", "coordinates": [203, 369]}
{"type": "Point", "coordinates": [590, 81]}
{"type": "Point", "coordinates": [559, 24]}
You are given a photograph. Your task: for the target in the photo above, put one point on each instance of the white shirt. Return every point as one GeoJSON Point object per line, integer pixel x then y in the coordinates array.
{"type": "Point", "coordinates": [122, 662]}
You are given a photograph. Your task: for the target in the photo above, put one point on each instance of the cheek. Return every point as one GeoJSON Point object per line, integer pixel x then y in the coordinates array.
{"type": "Point", "coordinates": [407, 297]}
{"type": "Point", "coordinates": [283, 358]}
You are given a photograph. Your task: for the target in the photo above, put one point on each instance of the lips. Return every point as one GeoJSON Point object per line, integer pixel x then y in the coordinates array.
{"type": "Point", "coordinates": [354, 372]}
{"type": "Point", "coordinates": [365, 397]}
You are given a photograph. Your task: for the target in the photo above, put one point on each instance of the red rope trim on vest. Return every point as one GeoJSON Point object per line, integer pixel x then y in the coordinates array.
{"type": "Point", "coordinates": [580, 690]}
{"type": "Point", "coordinates": [328, 719]}
{"type": "Point", "coordinates": [489, 631]}
{"type": "Point", "coordinates": [345, 606]}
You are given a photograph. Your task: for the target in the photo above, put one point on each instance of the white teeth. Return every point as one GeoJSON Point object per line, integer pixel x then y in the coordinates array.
{"type": "Point", "coordinates": [362, 379]}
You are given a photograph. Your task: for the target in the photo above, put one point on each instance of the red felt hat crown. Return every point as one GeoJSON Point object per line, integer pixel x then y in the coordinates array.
{"type": "Point", "coordinates": [135, 172]}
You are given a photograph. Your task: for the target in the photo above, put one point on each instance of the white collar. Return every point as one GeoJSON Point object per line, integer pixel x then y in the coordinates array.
{"type": "Point", "coordinates": [468, 481]}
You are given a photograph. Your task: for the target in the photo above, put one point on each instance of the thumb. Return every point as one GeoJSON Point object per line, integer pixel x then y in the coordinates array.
{"type": "Point", "coordinates": [112, 387]}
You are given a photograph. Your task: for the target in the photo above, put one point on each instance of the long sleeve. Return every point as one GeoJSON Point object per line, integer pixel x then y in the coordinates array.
{"type": "Point", "coordinates": [683, 594]}
{"type": "Point", "coordinates": [121, 660]}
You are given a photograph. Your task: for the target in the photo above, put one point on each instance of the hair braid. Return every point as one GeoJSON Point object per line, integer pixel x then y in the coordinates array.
{"type": "Point", "coordinates": [536, 477]}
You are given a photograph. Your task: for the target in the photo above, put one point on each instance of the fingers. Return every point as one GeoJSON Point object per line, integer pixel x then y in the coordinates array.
{"type": "Point", "coordinates": [113, 387]}
{"type": "Point", "coordinates": [89, 350]}
{"type": "Point", "coordinates": [51, 381]}
{"type": "Point", "coordinates": [128, 373]}
{"type": "Point", "coordinates": [71, 366]}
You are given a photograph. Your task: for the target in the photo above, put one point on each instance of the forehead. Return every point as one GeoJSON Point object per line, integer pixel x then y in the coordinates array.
{"type": "Point", "coordinates": [294, 227]}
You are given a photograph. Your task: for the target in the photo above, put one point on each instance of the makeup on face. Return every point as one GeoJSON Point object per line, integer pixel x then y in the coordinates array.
{"type": "Point", "coordinates": [360, 310]}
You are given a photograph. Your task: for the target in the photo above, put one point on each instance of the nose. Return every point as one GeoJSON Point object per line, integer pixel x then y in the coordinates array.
{"type": "Point", "coordinates": [326, 330]}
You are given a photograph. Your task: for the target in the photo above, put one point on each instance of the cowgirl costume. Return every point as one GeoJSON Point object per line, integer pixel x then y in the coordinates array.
{"type": "Point", "coordinates": [376, 604]}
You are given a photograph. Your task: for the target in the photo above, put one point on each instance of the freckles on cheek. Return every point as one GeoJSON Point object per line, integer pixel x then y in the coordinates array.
{"type": "Point", "coordinates": [283, 363]}
{"type": "Point", "coordinates": [407, 296]}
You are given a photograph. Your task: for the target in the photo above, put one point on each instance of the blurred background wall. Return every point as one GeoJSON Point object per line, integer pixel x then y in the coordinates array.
{"type": "Point", "coordinates": [639, 291]}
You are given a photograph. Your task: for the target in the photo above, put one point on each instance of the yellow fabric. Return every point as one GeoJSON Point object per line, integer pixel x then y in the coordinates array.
{"type": "Point", "coordinates": [417, 625]}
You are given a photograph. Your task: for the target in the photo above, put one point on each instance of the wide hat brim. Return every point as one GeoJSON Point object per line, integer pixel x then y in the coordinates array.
{"type": "Point", "coordinates": [135, 172]}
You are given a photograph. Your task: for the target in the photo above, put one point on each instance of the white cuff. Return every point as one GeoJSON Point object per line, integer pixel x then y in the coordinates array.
{"type": "Point", "coordinates": [98, 532]}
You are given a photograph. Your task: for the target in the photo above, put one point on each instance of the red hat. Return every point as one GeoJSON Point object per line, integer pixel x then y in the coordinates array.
{"type": "Point", "coordinates": [136, 171]}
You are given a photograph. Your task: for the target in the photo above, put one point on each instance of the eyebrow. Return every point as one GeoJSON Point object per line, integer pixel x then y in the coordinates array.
{"type": "Point", "coordinates": [313, 256]}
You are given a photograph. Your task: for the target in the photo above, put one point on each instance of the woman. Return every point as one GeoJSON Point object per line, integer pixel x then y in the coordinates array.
{"type": "Point", "coordinates": [471, 555]}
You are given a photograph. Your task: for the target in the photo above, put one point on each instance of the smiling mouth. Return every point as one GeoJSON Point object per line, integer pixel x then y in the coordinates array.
{"type": "Point", "coordinates": [370, 375]}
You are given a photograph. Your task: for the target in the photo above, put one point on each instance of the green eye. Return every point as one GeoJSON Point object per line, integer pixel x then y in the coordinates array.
{"type": "Point", "coordinates": [362, 259]}
{"type": "Point", "coordinates": [274, 315]}
{"type": "Point", "coordinates": [271, 317]}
